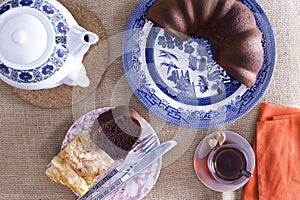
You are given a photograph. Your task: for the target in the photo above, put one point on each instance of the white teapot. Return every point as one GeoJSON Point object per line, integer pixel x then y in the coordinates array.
{"type": "Point", "coordinates": [41, 45]}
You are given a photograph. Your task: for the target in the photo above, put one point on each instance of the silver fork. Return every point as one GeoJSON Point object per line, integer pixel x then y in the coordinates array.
{"type": "Point", "coordinates": [133, 156]}
{"type": "Point", "coordinates": [138, 151]}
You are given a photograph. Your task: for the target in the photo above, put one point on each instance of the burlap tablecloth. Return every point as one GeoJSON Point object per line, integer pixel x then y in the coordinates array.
{"type": "Point", "coordinates": [30, 136]}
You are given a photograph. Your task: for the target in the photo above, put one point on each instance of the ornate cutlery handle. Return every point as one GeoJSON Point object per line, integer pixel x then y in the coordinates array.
{"type": "Point", "coordinates": [114, 186]}
{"type": "Point", "coordinates": [98, 184]}
{"type": "Point", "coordinates": [107, 191]}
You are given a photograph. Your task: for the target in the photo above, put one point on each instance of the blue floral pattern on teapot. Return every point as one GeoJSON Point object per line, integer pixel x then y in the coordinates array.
{"type": "Point", "coordinates": [59, 53]}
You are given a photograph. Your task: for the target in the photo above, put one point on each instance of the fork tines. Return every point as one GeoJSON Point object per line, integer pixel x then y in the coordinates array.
{"type": "Point", "coordinates": [145, 144]}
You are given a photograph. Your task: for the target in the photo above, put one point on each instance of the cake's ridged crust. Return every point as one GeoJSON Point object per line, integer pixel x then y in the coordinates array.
{"type": "Point", "coordinates": [228, 25]}
{"type": "Point", "coordinates": [243, 58]}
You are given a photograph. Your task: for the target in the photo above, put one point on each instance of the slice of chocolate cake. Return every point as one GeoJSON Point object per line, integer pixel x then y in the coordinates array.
{"type": "Point", "coordinates": [117, 130]}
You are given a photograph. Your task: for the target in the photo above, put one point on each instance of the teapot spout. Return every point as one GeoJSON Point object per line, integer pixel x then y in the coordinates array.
{"type": "Point", "coordinates": [80, 41]}
{"type": "Point", "coordinates": [90, 38]}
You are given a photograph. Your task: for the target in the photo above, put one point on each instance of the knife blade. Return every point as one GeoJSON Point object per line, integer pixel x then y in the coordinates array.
{"type": "Point", "coordinates": [151, 157]}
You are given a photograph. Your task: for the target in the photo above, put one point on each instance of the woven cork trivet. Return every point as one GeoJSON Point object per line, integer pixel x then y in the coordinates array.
{"type": "Point", "coordinates": [95, 62]}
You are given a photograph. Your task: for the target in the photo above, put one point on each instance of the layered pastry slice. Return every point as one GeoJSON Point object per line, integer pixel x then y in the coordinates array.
{"type": "Point", "coordinates": [79, 164]}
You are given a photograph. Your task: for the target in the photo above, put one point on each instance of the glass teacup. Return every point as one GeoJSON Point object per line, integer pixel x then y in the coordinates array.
{"type": "Point", "coordinates": [229, 164]}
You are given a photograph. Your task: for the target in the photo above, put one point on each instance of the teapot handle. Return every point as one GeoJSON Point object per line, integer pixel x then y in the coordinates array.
{"type": "Point", "coordinates": [77, 78]}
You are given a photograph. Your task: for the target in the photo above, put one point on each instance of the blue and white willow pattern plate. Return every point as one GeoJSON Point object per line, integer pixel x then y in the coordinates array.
{"type": "Point", "coordinates": [60, 51]}
{"type": "Point", "coordinates": [181, 83]}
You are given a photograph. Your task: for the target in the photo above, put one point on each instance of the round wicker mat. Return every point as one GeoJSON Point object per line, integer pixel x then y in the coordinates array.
{"type": "Point", "coordinates": [95, 61]}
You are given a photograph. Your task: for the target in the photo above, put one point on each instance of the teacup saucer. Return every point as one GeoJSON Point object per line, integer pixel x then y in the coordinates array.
{"type": "Point", "coordinates": [201, 155]}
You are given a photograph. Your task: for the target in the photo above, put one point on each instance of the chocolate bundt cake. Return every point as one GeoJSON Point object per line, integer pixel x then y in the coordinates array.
{"type": "Point", "coordinates": [228, 25]}
{"type": "Point", "coordinates": [117, 131]}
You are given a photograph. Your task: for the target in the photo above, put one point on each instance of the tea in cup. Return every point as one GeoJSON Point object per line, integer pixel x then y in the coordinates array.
{"type": "Point", "coordinates": [229, 164]}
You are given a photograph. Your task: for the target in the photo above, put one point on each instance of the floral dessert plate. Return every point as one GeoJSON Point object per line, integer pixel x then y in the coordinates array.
{"type": "Point", "coordinates": [201, 166]}
{"type": "Point", "coordinates": [180, 81]}
{"type": "Point", "coordinates": [142, 183]}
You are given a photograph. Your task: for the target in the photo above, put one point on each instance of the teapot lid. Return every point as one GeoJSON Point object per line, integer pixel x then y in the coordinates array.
{"type": "Point", "coordinates": [33, 40]}
{"type": "Point", "coordinates": [26, 38]}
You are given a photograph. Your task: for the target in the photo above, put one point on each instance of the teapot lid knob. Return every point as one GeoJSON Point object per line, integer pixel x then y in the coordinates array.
{"type": "Point", "coordinates": [19, 37]}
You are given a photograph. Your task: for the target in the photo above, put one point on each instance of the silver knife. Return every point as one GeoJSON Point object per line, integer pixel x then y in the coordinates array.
{"type": "Point", "coordinates": [152, 156]}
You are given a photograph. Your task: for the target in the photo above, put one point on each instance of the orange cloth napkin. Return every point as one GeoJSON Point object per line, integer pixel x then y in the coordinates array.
{"type": "Point", "coordinates": [277, 149]}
